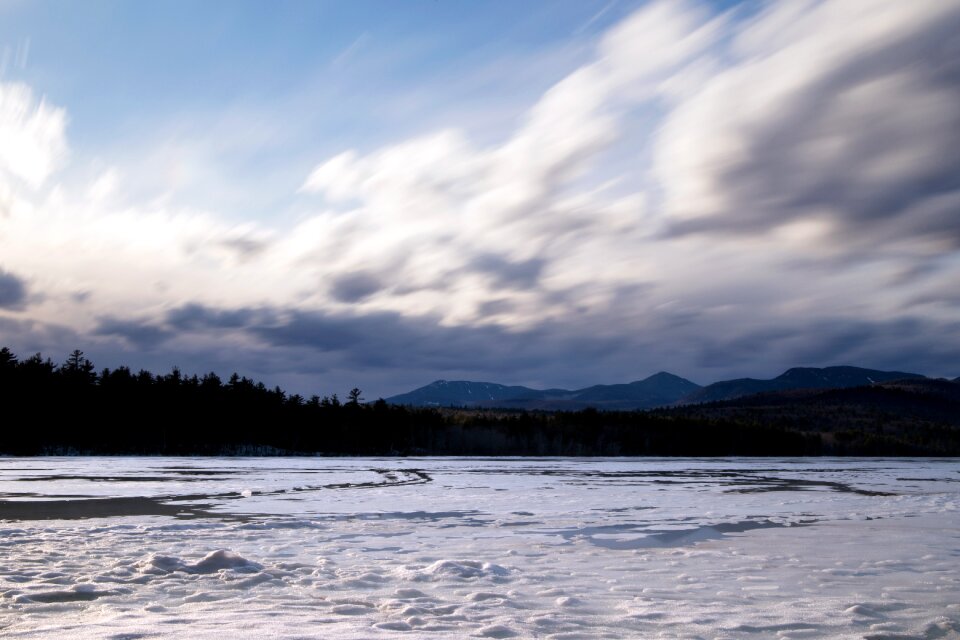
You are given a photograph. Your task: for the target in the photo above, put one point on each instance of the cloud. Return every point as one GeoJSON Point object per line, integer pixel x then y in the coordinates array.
{"type": "Point", "coordinates": [245, 244]}
{"type": "Point", "coordinates": [355, 286]}
{"type": "Point", "coordinates": [713, 194]}
{"type": "Point", "coordinates": [387, 348]}
{"type": "Point", "coordinates": [506, 273]}
{"type": "Point", "coordinates": [901, 344]}
{"type": "Point", "coordinates": [343, 58]}
{"type": "Point", "coordinates": [439, 204]}
{"type": "Point", "coordinates": [388, 340]}
{"type": "Point", "coordinates": [844, 113]}
{"type": "Point", "coordinates": [13, 291]}
{"type": "Point", "coordinates": [32, 135]}
{"type": "Point", "coordinates": [139, 334]}
{"type": "Point", "coordinates": [198, 316]}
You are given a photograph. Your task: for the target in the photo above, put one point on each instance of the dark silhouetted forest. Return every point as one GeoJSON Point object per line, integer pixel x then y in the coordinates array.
{"type": "Point", "coordinates": [71, 408]}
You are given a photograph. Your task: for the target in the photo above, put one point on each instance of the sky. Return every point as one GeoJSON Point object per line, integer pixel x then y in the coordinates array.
{"type": "Point", "coordinates": [323, 195]}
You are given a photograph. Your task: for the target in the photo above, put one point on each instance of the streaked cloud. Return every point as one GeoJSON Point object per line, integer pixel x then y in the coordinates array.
{"type": "Point", "coordinates": [711, 193]}
{"type": "Point", "coordinates": [841, 114]}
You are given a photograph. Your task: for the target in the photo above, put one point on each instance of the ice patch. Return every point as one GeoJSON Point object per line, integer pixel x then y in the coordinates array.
{"type": "Point", "coordinates": [79, 593]}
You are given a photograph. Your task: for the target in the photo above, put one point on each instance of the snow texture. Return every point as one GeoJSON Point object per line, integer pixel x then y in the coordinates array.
{"type": "Point", "coordinates": [485, 548]}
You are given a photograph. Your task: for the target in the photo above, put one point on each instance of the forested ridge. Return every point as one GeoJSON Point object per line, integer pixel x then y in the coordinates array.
{"type": "Point", "coordinates": [71, 408]}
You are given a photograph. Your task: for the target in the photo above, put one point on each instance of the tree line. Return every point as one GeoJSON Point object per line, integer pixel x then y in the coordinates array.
{"type": "Point", "coordinates": [72, 408]}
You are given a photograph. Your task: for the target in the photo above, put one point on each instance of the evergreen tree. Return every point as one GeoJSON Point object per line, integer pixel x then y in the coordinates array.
{"type": "Point", "coordinates": [78, 369]}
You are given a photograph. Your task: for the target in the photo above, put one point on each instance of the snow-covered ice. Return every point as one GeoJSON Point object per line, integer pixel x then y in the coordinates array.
{"type": "Point", "coordinates": [127, 548]}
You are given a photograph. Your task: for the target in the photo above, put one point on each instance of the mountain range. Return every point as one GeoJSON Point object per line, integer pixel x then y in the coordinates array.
{"type": "Point", "coordinates": [796, 378]}
{"type": "Point", "coordinates": [659, 390]}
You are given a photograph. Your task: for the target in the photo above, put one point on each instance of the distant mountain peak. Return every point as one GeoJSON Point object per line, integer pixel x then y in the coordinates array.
{"type": "Point", "coordinates": [663, 375]}
{"type": "Point", "coordinates": [660, 389]}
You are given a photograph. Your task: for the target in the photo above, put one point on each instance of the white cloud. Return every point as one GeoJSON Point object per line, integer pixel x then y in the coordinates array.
{"type": "Point", "coordinates": [104, 186]}
{"type": "Point", "coordinates": [32, 135]}
{"type": "Point", "coordinates": [438, 204]}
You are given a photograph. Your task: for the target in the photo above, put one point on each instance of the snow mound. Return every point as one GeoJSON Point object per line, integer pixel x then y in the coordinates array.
{"type": "Point", "coordinates": [497, 631]}
{"type": "Point", "coordinates": [459, 570]}
{"type": "Point", "coordinates": [213, 562]}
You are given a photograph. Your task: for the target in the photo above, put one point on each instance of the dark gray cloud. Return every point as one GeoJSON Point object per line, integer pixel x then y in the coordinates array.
{"type": "Point", "coordinates": [137, 333]}
{"type": "Point", "coordinates": [494, 307]}
{"type": "Point", "coordinates": [385, 353]}
{"type": "Point", "coordinates": [517, 274]}
{"type": "Point", "coordinates": [739, 349]}
{"type": "Point", "coordinates": [392, 340]}
{"type": "Point", "coordinates": [911, 343]}
{"type": "Point", "coordinates": [27, 337]}
{"type": "Point", "coordinates": [201, 318]}
{"type": "Point", "coordinates": [13, 291]}
{"type": "Point", "coordinates": [318, 348]}
{"type": "Point", "coordinates": [803, 342]}
{"type": "Point", "coordinates": [946, 298]}
{"type": "Point", "coordinates": [355, 286]}
{"type": "Point", "coordinates": [873, 143]}
{"type": "Point", "coordinates": [198, 316]}
{"type": "Point", "coordinates": [386, 340]}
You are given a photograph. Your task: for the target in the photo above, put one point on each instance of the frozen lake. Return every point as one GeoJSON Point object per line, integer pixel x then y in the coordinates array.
{"type": "Point", "coordinates": [128, 548]}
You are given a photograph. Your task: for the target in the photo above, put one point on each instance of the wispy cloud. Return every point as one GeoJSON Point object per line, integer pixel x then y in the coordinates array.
{"type": "Point", "coordinates": [595, 17]}
{"type": "Point", "coordinates": [343, 58]}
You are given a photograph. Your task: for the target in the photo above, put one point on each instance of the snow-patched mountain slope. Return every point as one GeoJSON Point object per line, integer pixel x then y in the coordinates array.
{"type": "Point", "coordinates": [659, 390]}
{"type": "Point", "coordinates": [796, 378]}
